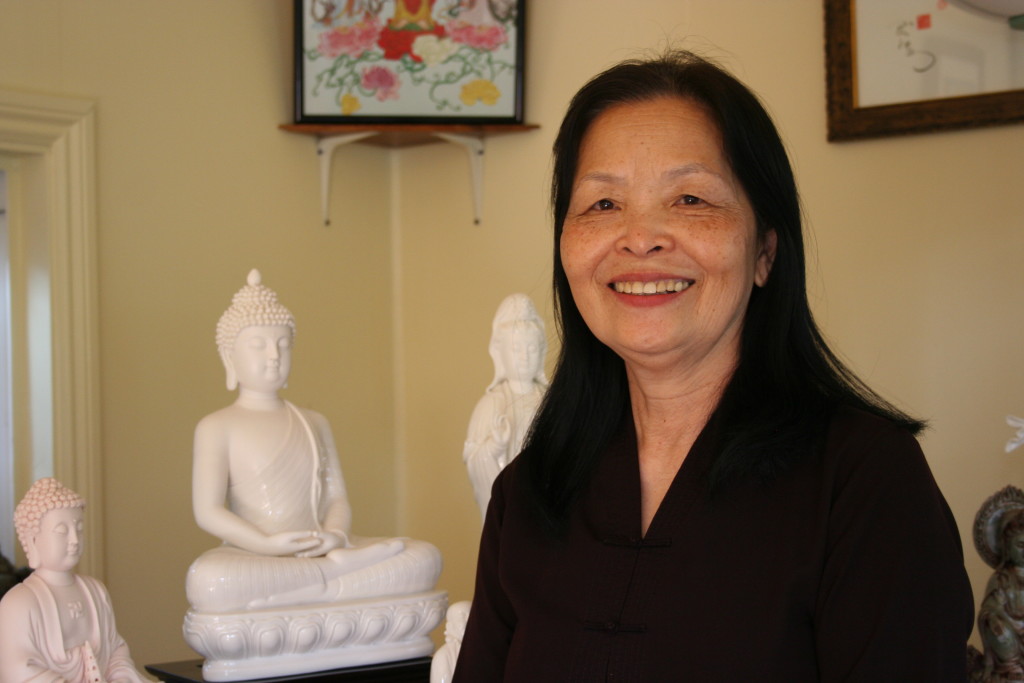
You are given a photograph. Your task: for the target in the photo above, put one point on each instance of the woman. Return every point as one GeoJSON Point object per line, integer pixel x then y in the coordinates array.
{"type": "Point", "coordinates": [706, 492]}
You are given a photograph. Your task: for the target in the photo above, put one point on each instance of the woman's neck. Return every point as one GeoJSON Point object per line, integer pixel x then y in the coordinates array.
{"type": "Point", "coordinates": [669, 408]}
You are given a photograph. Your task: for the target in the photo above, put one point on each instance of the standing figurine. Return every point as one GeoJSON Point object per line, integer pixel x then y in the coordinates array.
{"type": "Point", "coordinates": [999, 539]}
{"type": "Point", "coordinates": [497, 430]}
{"type": "Point", "coordinates": [503, 415]}
{"type": "Point", "coordinates": [57, 625]}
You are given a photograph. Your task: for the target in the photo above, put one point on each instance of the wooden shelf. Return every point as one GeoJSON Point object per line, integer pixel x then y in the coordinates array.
{"type": "Point", "coordinates": [405, 134]}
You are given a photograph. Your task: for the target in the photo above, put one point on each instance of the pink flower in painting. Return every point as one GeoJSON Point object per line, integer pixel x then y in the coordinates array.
{"type": "Point", "coordinates": [350, 39]}
{"type": "Point", "coordinates": [382, 81]}
{"type": "Point", "coordinates": [481, 36]}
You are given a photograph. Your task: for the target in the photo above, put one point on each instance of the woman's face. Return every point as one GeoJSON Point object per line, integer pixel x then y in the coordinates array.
{"type": "Point", "coordinates": [659, 243]}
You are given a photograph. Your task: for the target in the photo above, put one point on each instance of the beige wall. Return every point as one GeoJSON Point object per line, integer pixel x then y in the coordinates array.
{"type": "Point", "coordinates": [916, 278]}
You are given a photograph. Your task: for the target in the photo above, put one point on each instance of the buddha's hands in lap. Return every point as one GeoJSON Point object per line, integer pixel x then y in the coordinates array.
{"type": "Point", "coordinates": [294, 543]}
{"type": "Point", "coordinates": [326, 541]}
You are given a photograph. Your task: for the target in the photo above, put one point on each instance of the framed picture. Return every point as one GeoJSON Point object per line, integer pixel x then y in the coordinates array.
{"type": "Point", "coordinates": [409, 61]}
{"type": "Point", "coordinates": [912, 66]}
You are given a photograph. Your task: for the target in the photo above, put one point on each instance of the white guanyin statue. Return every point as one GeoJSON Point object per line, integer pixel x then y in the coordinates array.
{"type": "Point", "coordinates": [503, 415]}
{"type": "Point", "coordinates": [497, 429]}
{"type": "Point", "coordinates": [57, 625]}
{"type": "Point", "coordinates": [291, 589]}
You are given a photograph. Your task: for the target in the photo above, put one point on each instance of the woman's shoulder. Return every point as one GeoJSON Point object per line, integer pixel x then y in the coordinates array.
{"type": "Point", "coordinates": [869, 450]}
{"type": "Point", "coordinates": [855, 427]}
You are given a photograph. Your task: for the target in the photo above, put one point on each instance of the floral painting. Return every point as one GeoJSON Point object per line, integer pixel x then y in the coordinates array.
{"type": "Point", "coordinates": [409, 60]}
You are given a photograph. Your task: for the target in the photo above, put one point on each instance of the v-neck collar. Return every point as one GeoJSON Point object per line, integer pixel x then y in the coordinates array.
{"type": "Point", "coordinates": [616, 494]}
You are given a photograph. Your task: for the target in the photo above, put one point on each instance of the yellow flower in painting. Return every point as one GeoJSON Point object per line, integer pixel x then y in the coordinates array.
{"type": "Point", "coordinates": [480, 90]}
{"type": "Point", "coordinates": [349, 104]}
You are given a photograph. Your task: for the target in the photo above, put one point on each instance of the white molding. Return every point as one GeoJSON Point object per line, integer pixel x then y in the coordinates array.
{"type": "Point", "coordinates": [60, 130]}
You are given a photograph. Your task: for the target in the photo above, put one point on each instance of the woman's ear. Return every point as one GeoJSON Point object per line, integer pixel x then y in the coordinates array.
{"type": "Point", "coordinates": [765, 258]}
{"type": "Point", "coordinates": [229, 370]}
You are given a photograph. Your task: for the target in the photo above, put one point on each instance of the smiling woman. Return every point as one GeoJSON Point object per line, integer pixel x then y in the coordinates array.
{"type": "Point", "coordinates": [704, 476]}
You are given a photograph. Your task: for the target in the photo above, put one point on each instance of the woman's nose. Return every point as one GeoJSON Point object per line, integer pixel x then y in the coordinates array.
{"type": "Point", "coordinates": [643, 234]}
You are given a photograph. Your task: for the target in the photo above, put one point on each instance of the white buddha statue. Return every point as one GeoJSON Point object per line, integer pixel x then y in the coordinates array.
{"type": "Point", "coordinates": [58, 625]}
{"type": "Point", "coordinates": [503, 415]}
{"type": "Point", "coordinates": [266, 480]}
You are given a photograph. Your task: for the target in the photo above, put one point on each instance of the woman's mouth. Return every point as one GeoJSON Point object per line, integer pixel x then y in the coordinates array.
{"type": "Point", "coordinates": [651, 288]}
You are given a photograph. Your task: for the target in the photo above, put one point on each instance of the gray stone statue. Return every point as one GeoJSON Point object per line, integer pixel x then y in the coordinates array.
{"type": "Point", "coordinates": [999, 539]}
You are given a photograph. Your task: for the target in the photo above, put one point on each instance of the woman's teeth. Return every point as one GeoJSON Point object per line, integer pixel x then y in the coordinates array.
{"type": "Point", "coordinates": [648, 288]}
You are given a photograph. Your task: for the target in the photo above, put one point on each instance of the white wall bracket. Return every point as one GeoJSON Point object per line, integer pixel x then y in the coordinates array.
{"type": "Point", "coordinates": [475, 149]}
{"type": "Point", "coordinates": [325, 150]}
{"type": "Point", "coordinates": [474, 146]}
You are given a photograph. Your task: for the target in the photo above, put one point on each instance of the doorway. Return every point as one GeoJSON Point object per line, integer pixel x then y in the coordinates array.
{"type": "Point", "coordinates": [47, 159]}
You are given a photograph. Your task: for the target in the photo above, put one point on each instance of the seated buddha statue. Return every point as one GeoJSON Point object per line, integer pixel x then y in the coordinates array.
{"type": "Point", "coordinates": [267, 482]}
{"type": "Point", "coordinates": [58, 625]}
{"type": "Point", "coordinates": [502, 416]}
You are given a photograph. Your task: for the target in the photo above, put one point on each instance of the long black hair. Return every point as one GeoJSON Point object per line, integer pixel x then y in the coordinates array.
{"type": "Point", "coordinates": [787, 380]}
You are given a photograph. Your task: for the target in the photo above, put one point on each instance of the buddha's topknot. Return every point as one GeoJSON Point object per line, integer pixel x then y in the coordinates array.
{"type": "Point", "coordinates": [254, 304]}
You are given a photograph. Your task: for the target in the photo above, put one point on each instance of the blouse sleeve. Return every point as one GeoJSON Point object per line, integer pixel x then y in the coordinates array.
{"type": "Point", "coordinates": [492, 619]}
{"type": "Point", "coordinates": [894, 602]}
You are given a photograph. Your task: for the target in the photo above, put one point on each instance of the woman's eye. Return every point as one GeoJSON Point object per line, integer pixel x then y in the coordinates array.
{"type": "Point", "coordinates": [690, 200]}
{"type": "Point", "coordinates": [603, 205]}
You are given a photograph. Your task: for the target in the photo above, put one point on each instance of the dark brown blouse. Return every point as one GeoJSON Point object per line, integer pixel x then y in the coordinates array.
{"type": "Point", "coordinates": [847, 568]}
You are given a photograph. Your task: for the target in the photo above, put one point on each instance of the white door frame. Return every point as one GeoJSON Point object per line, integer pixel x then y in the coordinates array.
{"type": "Point", "coordinates": [59, 132]}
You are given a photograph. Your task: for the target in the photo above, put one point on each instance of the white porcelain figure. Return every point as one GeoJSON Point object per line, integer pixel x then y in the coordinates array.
{"type": "Point", "coordinates": [497, 430]}
{"type": "Point", "coordinates": [291, 590]}
{"type": "Point", "coordinates": [57, 625]}
{"type": "Point", "coordinates": [442, 668]}
{"type": "Point", "coordinates": [503, 415]}
{"type": "Point", "coordinates": [1018, 438]}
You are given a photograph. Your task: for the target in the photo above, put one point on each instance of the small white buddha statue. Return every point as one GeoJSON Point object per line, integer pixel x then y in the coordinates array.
{"type": "Point", "coordinates": [57, 625]}
{"type": "Point", "coordinates": [503, 415]}
{"type": "Point", "coordinates": [267, 481]}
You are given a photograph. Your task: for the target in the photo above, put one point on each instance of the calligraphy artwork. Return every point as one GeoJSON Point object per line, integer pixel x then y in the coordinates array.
{"type": "Point", "coordinates": [914, 66]}
{"type": "Point", "coordinates": [913, 50]}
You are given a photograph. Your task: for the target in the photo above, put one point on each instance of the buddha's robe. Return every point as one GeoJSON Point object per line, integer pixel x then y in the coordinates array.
{"type": "Point", "coordinates": [289, 495]}
{"type": "Point", "coordinates": [484, 456]}
{"type": "Point", "coordinates": [32, 645]}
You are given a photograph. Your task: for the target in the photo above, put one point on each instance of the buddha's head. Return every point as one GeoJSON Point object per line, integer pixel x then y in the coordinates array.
{"type": "Point", "coordinates": [518, 342]}
{"type": "Point", "coordinates": [49, 521]}
{"type": "Point", "coordinates": [254, 337]}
